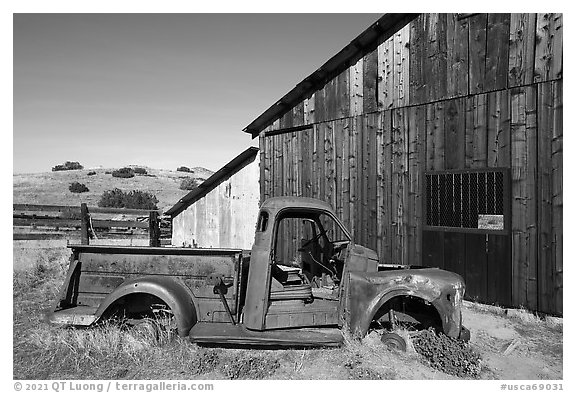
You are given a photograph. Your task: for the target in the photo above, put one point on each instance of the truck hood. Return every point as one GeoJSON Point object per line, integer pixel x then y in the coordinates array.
{"type": "Point", "coordinates": [433, 280]}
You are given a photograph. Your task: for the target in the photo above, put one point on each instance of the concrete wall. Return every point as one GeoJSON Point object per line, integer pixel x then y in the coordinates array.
{"type": "Point", "coordinates": [225, 217]}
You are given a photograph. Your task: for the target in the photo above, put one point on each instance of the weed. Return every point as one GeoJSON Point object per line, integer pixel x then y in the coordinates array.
{"type": "Point", "coordinates": [204, 361]}
{"type": "Point", "coordinates": [357, 370]}
{"type": "Point", "coordinates": [446, 354]}
{"type": "Point", "coordinates": [249, 365]}
{"type": "Point", "coordinates": [49, 268]}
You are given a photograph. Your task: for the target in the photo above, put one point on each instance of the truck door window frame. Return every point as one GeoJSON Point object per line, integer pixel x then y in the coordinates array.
{"type": "Point", "coordinates": [263, 220]}
{"type": "Point", "coordinates": [309, 213]}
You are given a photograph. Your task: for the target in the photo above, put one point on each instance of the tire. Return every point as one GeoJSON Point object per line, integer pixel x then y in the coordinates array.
{"type": "Point", "coordinates": [394, 341]}
{"type": "Point", "coordinates": [147, 327]}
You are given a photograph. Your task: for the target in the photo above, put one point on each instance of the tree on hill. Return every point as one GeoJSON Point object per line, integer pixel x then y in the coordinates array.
{"type": "Point", "coordinates": [140, 171]}
{"type": "Point", "coordinates": [67, 166]}
{"type": "Point", "coordinates": [135, 199]}
{"type": "Point", "coordinates": [189, 184]}
{"type": "Point", "coordinates": [78, 187]}
{"type": "Point", "coordinates": [123, 172]}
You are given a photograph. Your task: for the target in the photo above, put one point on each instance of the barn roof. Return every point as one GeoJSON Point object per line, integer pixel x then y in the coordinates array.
{"type": "Point", "coordinates": [366, 42]}
{"type": "Point", "coordinates": [234, 166]}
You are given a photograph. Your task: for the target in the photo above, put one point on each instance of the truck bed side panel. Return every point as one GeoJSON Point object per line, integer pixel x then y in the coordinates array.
{"type": "Point", "coordinates": [102, 270]}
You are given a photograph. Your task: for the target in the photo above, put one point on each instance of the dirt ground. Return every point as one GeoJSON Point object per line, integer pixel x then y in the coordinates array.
{"type": "Point", "coordinates": [515, 344]}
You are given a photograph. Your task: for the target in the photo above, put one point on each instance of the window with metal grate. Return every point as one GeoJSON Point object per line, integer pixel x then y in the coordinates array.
{"type": "Point", "coordinates": [467, 200]}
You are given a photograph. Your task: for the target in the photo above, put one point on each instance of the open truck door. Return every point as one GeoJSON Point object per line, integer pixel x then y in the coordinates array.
{"type": "Point", "coordinates": [302, 272]}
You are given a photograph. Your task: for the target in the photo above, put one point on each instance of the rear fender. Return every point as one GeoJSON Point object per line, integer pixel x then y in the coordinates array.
{"type": "Point", "coordinates": [172, 292]}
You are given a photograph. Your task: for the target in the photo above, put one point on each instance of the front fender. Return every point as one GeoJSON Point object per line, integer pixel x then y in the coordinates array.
{"type": "Point", "coordinates": [369, 292]}
{"type": "Point", "coordinates": [172, 292]}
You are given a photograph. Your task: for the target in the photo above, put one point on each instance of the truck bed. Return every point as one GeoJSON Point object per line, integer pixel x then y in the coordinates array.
{"type": "Point", "coordinates": [97, 270]}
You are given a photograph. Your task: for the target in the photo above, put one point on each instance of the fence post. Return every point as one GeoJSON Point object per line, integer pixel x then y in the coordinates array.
{"type": "Point", "coordinates": [154, 229]}
{"type": "Point", "coordinates": [84, 228]}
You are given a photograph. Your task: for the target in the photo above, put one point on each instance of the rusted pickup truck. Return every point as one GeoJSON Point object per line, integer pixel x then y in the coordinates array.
{"type": "Point", "coordinates": [303, 283]}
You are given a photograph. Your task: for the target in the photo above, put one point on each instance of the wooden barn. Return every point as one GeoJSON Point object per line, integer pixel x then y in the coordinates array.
{"type": "Point", "coordinates": [221, 212]}
{"type": "Point", "coordinates": [438, 140]}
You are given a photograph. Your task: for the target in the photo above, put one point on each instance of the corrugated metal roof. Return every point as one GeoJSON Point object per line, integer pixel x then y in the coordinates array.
{"type": "Point", "coordinates": [239, 162]}
{"type": "Point", "coordinates": [366, 42]}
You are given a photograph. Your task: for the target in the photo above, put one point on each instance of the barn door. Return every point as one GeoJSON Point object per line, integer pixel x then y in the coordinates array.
{"type": "Point", "coordinates": [467, 230]}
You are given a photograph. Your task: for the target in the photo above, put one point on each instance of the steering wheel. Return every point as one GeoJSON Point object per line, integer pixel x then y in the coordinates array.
{"type": "Point", "coordinates": [308, 242]}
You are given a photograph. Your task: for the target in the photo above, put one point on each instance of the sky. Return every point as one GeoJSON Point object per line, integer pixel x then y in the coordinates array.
{"type": "Point", "coordinates": [159, 90]}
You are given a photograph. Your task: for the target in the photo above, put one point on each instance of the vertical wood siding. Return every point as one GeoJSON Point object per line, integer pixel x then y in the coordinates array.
{"type": "Point", "coordinates": [524, 165]}
{"type": "Point", "coordinates": [497, 37]}
{"type": "Point", "coordinates": [521, 50]}
{"type": "Point", "coordinates": [548, 56]}
{"type": "Point", "coordinates": [400, 89]}
{"type": "Point", "coordinates": [457, 56]}
{"type": "Point", "coordinates": [442, 93]}
{"type": "Point", "coordinates": [477, 48]}
{"type": "Point", "coordinates": [386, 56]}
{"type": "Point", "coordinates": [550, 196]}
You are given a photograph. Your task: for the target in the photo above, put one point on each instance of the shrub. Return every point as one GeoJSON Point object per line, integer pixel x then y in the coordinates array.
{"type": "Point", "coordinates": [130, 200]}
{"type": "Point", "coordinates": [446, 354]}
{"type": "Point", "coordinates": [140, 171]}
{"type": "Point", "coordinates": [67, 166]}
{"type": "Point", "coordinates": [189, 183]}
{"type": "Point", "coordinates": [91, 173]}
{"type": "Point", "coordinates": [184, 169]}
{"type": "Point", "coordinates": [78, 187]}
{"type": "Point", "coordinates": [123, 172]}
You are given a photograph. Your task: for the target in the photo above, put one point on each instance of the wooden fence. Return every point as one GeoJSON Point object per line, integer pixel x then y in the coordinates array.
{"type": "Point", "coordinates": [41, 222]}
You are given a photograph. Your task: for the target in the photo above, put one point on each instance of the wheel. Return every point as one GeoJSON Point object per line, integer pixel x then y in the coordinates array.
{"type": "Point", "coordinates": [394, 341]}
{"type": "Point", "coordinates": [146, 327]}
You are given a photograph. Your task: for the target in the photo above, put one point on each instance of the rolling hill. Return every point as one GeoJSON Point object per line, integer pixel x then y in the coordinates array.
{"type": "Point", "coordinates": [51, 188]}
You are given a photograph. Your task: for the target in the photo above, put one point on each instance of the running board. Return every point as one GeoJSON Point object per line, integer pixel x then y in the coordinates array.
{"type": "Point", "coordinates": [223, 333]}
{"type": "Point", "coordinates": [74, 316]}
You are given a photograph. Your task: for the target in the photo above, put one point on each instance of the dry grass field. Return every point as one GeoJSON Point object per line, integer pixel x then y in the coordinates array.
{"type": "Point", "coordinates": [511, 346]}
{"type": "Point", "coordinates": [51, 188]}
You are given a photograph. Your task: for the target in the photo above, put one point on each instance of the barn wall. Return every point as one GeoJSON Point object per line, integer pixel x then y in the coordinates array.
{"type": "Point", "coordinates": [438, 57]}
{"type": "Point", "coordinates": [223, 218]}
{"type": "Point", "coordinates": [443, 93]}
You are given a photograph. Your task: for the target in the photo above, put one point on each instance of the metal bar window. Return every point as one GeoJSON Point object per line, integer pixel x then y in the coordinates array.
{"type": "Point", "coordinates": [475, 200]}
